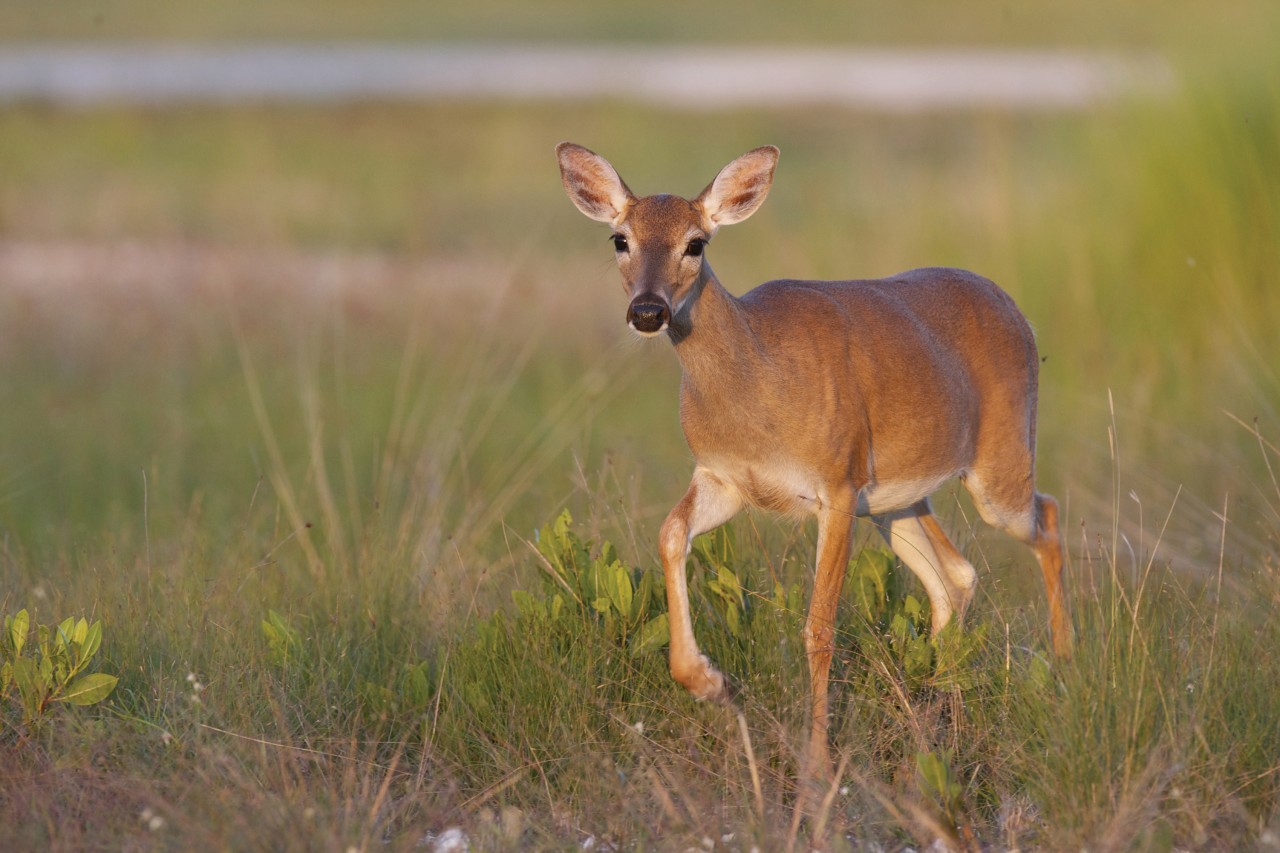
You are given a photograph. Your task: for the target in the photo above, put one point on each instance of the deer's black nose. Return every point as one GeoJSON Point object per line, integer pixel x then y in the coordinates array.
{"type": "Point", "coordinates": [648, 315]}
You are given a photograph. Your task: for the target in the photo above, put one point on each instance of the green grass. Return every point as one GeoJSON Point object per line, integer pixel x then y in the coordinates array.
{"type": "Point", "coordinates": [369, 351]}
{"type": "Point", "coordinates": [982, 22]}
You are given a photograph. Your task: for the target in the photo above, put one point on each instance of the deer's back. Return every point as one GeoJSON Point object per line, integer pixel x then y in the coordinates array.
{"type": "Point", "coordinates": [899, 335]}
{"type": "Point", "coordinates": [896, 378]}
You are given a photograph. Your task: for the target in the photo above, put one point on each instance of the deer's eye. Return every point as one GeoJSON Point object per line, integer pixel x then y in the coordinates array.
{"type": "Point", "coordinates": [619, 243]}
{"type": "Point", "coordinates": [695, 247]}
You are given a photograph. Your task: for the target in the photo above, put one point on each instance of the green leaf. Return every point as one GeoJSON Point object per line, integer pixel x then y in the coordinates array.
{"type": "Point", "coordinates": [1039, 673]}
{"type": "Point", "coordinates": [729, 583]}
{"type": "Point", "coordinates": [553, 540]}
{"type": "Point", "coordinates": [66, 630]}
{"type": "Point", "coordinates": [899, 628]}
{"type": "Point", "coordinates": [918, 660]}
{"type": "Point", "coordinates": [733, 618]}
{"type": "Point", "coordinates": [618, 588]}
{"type": "Point", "coordinates": [62, 671]}
{"type": "Point", "coordinates": [868, 582]}
{"type": "Point", "coordinates": [528, 606]}
{"type": "Point", "coordinates": [282, 639]}
{"type": "Point", "coordinates": [561, 526]}
{"type": "Point", "coordinates": [938, 780]}
{"type": "Point", "coordinates": [30, 687]}
{"type": "Point", "coordinates": [81, 631]}
{"type": "Point", "coordinates": [377, 697]}
{"type": "Point", "coordinates": [415, 686]}
{"type": "Point", "coordinates": [644, 594]}
{"type": "Point", "coordinates": [91, 642]}
{"type": "Point", "coordinates": [18, 626]}
{"type": "Point", "coordinates": [652, 636]}
{"type": "Point", "coordinates": [89, 689]}
{"type": "Point", "coordinates": [564, 559]}
{"type": "Point", "coordinates": [608, 554]}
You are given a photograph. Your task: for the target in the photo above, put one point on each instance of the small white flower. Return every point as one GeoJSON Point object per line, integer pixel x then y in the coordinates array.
{"type": "Point", "coordinates": [452, 840]}
{"type": "Point", "coordinates": [166, 738]}
{"type": "Point", "coordinates": [156, 823]}
{"type": "Point", "coordinates": [638, 725]}
{"type": "Point", "coordinates": [197, 687]}
{"type": "Point", "coordinates": [146, 814]}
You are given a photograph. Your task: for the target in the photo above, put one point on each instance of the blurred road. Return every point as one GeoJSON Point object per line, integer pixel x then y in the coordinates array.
{"type": "Point", "coordinates": [682, 77]}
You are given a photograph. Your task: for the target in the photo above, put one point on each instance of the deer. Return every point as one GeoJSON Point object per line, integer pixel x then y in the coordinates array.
{"type": "Point", "coordinates": [834, 399]}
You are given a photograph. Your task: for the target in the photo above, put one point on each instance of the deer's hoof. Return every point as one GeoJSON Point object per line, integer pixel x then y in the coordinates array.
{"type": "Point", "coordinates": [704, 681]}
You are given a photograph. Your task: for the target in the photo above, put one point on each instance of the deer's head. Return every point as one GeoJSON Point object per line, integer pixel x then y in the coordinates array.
{"type": "Point", "coordinates": [659, 240]}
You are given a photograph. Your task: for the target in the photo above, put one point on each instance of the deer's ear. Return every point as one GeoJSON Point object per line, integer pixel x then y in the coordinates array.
{"type": "Point", "coordinates": [592, 184]}
{"type": "Point", "coordinates": [740, 188]}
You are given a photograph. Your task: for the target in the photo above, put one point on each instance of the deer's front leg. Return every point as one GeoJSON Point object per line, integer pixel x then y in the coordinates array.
{"type": "Point", "coordinates": [707, 504]}
{"type": "Point", "coordinates": [835, 521]}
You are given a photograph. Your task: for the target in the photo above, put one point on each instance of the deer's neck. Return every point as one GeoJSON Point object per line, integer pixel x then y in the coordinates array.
{"type": "Point", "coordinates": [712, 336]}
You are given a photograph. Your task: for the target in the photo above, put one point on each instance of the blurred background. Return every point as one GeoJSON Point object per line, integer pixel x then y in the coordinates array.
{"type": "Point", "coordinates": [364, 252]}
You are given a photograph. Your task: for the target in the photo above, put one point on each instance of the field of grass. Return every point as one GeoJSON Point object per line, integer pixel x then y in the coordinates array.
{"type": "Point", "coordinates": [286, 394]}
{"type": "Point", "coordinates": [1242, 25]}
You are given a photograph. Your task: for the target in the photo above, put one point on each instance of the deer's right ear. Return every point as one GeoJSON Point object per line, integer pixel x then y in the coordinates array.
{"type": "Point", "coordinates": [592, 184]}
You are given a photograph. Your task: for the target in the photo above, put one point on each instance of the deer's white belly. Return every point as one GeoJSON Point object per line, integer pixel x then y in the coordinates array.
{"type": "Point", "coordinates": [775, 486]}
{"type": "Point", "coordinates": [891, 495]}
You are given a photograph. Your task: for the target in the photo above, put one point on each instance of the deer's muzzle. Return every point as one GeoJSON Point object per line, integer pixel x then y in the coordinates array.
{"type": "Point", "coordinates": [648, 315]}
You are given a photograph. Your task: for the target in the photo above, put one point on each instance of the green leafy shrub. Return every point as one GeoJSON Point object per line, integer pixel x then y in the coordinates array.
{"type": "Point", "coordinates": [283, 641]}
{"type": "Point", "coordinates": [884, 617]}
{"type": "Point", "coordinates": [408, 696]}
{"type": "Point", "coordinates": [628, 605]}
{"type": "Point", "coordinates": [52, 670]}
{"type": "Point", "coordinates": [584, 649]}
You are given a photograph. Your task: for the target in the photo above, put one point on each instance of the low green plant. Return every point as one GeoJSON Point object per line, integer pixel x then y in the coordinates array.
{"type": "Point", "coordinates": [938, 782]}
{"type": "Point", "coordinates": [605, 622]}
{"type": "Point", "coordinates": [52, 670]}
{"type": "Point", "coordinates": [408, 695]}
{"type": "Point", "coordinates": [628, 604]}
{"type": "Point", "coordinates": [282, 640]}
{"type": "Point", "coordinates": [885, 616]}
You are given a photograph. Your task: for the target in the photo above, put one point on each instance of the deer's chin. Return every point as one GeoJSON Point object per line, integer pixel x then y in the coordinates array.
{"type": "Point", "coordinates": [652, 334]}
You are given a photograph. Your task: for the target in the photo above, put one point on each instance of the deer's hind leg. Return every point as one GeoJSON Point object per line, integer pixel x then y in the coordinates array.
{"type": "Point", "coordinates": [920, 542]}
{"type": "Point", "coordinates": [1006, 498]}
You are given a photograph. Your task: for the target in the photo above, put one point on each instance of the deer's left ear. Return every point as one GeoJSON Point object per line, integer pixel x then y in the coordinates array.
{"type": "Point", "coordinates": [740, 188]}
